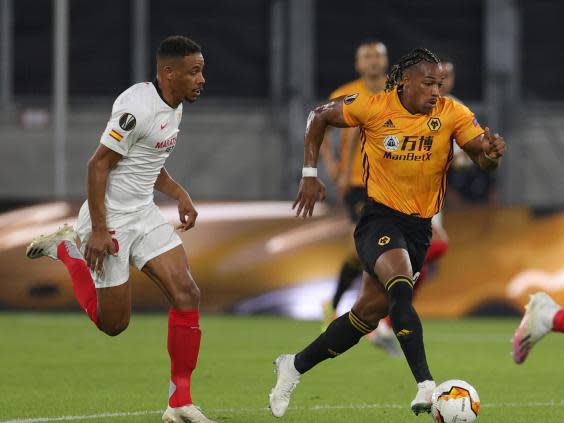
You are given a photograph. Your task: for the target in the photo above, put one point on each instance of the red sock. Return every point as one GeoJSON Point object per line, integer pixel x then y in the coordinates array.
{"type": "Point", "coordinates": [82, 283]}
{"type": "Point", "coordinates": [437, 249]}
{"type": "Point", "coordinates": [558, 322]}
{"type": "Point", "coordinates": [183, 347]}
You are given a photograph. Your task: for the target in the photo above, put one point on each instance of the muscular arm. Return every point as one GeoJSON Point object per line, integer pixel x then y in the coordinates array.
{"type": "Point", "coordinates": [324, 115]}
{"type": "Point", "coordinates": [186, 209]}
{"type": "Point", "coordinates": [169, 186]}
{"type": "Point", "coordinates": [100, 242]}
{"type": "Point", "coordinates": [99, 167]}
{"type": "Point", "coordinates": [311, 188]}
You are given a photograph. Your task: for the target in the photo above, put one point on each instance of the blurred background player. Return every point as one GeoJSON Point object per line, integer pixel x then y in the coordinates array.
{"type": "Point", "coordinates": [405, 168]}
{"type": "Point", "coordinates": [120, 224]}
{"type": "Point", "coordinates": [371, 64]}
{"type": "Point", "coordinates": [461, 160]}
{"type": "Point", "coordinates": [542, 316]}
{"type": "Point", "coordinates": [450, 78]}
{"type": "Point", "coordinates": [467, 182]}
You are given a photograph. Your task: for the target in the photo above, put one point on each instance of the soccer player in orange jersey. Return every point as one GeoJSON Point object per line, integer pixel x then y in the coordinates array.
{"type": "Point", "coordinates": [407, 134]}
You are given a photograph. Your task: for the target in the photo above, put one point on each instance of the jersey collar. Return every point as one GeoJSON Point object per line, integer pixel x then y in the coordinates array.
{"type": "Point", "coordinates": [160, 93]}
{"type": "Point", "coordinates": [399, 104]}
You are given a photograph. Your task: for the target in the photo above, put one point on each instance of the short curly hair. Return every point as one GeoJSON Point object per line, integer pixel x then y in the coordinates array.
{"type": "Point", "coordinates": [177, 46]}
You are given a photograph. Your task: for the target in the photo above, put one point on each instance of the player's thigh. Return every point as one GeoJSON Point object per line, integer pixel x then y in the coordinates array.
{"type": "Point", "coordinates": [381, 246]}
{"type": "Point", "coordinates": [113, 290]}
{"type": "Point", "coordinates": [114, 308]}
{"type": "Point", "coordinates": [372, 302]}
{"type": "Point", "coordinates": [392, 263]}
{"type": "Point", "coordinates": [171, 272]}
{"type": "Point", "coordinates": [408, 256]}
{"type": "Point", "coordinates": [115, 267]}
{"type": "Point", "coordinates": [418, 241]}
{"type": "Point", "coordinates": [160, 255]}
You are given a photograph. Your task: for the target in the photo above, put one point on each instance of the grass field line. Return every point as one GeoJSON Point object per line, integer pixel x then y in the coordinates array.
{"type": "Point", "coordinates": [538, 404]}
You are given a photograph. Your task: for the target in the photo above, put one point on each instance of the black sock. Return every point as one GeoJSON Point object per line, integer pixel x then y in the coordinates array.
{"type": "Point", "coordinates": [342, 334]}
{"type": "Point", "coordinates": [349, 272]}
{"type": "Point", "coordinates": [407, 326]}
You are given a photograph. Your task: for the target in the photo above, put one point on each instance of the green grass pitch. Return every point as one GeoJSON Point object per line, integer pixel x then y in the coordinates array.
{"type": "Point", "coordinates": [54, 365]}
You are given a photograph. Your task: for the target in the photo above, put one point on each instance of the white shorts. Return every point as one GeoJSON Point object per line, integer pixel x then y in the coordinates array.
{"type": "Point", "coordinates": [141, 236]}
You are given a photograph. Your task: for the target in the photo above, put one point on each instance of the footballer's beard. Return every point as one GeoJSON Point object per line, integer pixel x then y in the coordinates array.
{"type": "Point", "coordinates": [191, 98]}
{"type": "Point", "coordinates": [196, 92]}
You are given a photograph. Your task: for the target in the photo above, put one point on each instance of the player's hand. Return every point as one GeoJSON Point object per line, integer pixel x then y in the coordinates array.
{"type": "Point", "coordinates": [311, 189]}
{"type": "Point", "coordinates": [98, 246]}
{"type": "Point", "coordinates": [187, 213]}
{"type": "Point", "coordinates": [493, 146]}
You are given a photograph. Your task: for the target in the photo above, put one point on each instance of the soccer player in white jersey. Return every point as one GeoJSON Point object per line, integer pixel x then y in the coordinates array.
{"type": "Point", "coordinates": [120, 224]}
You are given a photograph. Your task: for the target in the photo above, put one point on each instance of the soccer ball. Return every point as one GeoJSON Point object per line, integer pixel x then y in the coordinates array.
{"type": "Point", "coordinates": [455, 401]}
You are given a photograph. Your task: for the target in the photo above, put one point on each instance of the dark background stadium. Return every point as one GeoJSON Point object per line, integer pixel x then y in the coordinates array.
{"type": "Point", "coordinates": [267, 63]}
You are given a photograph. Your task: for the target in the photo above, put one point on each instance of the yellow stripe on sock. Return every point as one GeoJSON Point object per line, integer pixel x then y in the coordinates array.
{"type": "Point", "coordinates": [359, 324]}
{"type": "Point", "coordinates": [358, 328]}
{"type": "Point", "coordinates": [398, 279]}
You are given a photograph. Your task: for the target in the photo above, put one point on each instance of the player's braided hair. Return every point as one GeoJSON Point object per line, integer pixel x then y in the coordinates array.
{"type": "Point", "coordinates": [410, 59]}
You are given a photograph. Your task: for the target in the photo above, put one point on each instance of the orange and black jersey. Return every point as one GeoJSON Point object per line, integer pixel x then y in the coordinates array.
{"type": "Point", "coordinates": [356, 86]}
{"type": "Point", "coordinates": [406, 156]}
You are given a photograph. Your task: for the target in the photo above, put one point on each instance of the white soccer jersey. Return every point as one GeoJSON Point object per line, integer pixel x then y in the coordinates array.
{"type": "Point", "coordinates": [143, 129]}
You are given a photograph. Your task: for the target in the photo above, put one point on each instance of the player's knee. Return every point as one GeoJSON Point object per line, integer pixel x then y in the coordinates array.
{"type": "Point", "coordinates": [114, 328]}
{"type": "Point", "coordinates": [400, 288]}
{"type": "Point", "coordinates": [187, 296]}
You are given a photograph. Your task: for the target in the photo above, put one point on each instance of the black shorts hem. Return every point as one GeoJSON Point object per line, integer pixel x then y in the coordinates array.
{"type": "Point", "coordinates": [381, 229]}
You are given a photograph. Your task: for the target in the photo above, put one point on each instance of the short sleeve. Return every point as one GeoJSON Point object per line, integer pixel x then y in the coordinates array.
{"type": "Point", "coordinates": [125, 126]}
{"type": "Point", "coordinates": [466, 126]}
{"type": "Point", "coordinates": [337, 93]}
{"type": "Point", "coordinates": [357, 109]}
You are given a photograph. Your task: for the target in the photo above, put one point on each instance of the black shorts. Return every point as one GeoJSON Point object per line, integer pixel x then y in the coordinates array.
{"type": "Point", "coordinates": [381, 228]}
{"type": "Point", "coordinates": [355, 199]}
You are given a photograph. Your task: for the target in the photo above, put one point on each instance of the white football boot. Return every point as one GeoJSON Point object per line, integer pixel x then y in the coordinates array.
{"type": "Point", "coordinates": [46, 245]}
{"type": "Point", "coordinates": [422, 402]}
{"type": "Point", "coordinates": [287, 377]}
{"type": "Point", "coordinates": [536, 323]}
{"type": "Point", "coordinates": [186, 414]}
{"type": "Point", "coordinates": [383, 337]}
